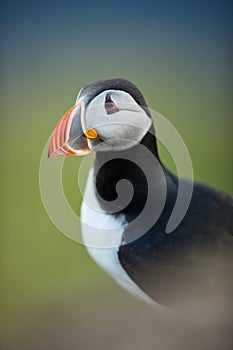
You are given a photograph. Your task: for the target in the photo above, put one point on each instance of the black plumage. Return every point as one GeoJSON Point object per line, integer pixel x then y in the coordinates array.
{"type": "Point", "coordinates": [192, 259]}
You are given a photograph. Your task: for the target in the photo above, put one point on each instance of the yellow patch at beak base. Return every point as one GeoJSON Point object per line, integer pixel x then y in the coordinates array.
{"type": "Point", "coordinates": [91, 133]}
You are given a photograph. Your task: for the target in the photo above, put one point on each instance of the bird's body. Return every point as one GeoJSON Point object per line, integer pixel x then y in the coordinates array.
{"type": "Point", "coordinates": [159, 267]}
{"type": "Point", "coordinates": [165, 266]}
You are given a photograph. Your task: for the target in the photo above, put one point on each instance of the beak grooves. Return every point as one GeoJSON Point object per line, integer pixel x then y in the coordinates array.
{"type": "Point", "coordinates": [59, 142]}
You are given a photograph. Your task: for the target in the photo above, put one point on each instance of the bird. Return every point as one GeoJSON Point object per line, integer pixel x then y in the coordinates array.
{"type": "Point", "coordinates": [123, 234]}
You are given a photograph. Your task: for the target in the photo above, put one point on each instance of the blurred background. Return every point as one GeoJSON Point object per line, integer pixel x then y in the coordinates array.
{"type": "Point", "coordinates": [179, 53]}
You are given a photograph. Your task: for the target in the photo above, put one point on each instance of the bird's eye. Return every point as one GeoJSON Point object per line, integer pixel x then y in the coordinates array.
{"type": "Point", "coordinates": [110, 105]}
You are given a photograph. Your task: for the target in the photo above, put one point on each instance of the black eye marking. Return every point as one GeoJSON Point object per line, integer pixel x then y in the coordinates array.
{"type": "Point", "coordinates": [110, 105]}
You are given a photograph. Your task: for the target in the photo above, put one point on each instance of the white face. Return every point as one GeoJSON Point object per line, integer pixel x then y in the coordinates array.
{"type": "Point", "coordinates": [119, 121]}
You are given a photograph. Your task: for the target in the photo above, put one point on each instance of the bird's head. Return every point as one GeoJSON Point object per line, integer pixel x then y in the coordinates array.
{"type": "Point", "coordinates": [109, 115]}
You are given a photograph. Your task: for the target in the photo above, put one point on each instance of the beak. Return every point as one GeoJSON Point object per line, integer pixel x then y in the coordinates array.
{"type": "Point", "coordinates": [68, 136]}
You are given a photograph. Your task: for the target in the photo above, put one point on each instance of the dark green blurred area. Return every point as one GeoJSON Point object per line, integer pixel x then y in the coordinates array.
{"type": "Point", "coordinates": [187, 78]}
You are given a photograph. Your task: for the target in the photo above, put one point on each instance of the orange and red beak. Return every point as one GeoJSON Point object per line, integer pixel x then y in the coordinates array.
{"type": "Point", "coordinates": [70, 134]}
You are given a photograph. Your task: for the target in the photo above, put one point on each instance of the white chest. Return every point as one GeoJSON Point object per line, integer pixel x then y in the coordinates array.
{"type": "Point", "coordinates": [102, 235]}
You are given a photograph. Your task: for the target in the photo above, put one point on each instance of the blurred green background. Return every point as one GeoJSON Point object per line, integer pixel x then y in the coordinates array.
{"type": "Point", "coordinates": [179, 54]}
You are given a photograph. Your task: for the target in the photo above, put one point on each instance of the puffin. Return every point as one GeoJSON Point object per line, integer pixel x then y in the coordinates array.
{"type": "Point", "coordinates": [129, 198]}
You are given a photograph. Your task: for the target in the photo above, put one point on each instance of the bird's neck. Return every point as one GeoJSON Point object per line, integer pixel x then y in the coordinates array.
{"type": "Point", "coordinates": [135, 165]}
{"type": "Point", "coordinates": [149, 141]}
